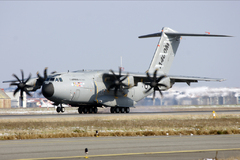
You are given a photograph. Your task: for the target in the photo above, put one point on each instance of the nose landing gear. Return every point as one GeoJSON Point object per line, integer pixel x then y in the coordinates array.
{"type": "Point", "coordinates": [60, 109]}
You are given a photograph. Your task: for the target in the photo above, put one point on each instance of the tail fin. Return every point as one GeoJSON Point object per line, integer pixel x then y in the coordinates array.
{"type": "Point", "coordinates": [167, 48]}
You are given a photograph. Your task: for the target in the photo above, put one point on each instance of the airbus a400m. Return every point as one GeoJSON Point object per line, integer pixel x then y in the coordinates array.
{"type": "Point", "coordinates": [120, 91]}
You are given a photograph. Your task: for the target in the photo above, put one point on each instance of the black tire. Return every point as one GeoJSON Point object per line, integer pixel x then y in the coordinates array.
{"type": "Point", "coordinates": [62, 109]}
{"type": "Point", "coordinates": [122, 109]}
{"type": "Point", "coordinates": [58, 109]}
{"type": "Point", "coordinates": [112, 109]}
{"type": "Point", "coordinates": [80, 110]}
{"type": "Point", "coordinates": [117, 109]}
{"type": "Point", "coordinates": [127, 109]}
{"type": "Point", "coordinates": [85, 110]}
{"type": "Point", "coordinates": [95, 109]}
{"type": "Point", "coordinates": [90, 110]}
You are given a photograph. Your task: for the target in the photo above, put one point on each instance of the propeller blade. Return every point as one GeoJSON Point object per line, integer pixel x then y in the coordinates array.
{"type": "Point", "coordinates": [148, 90]}
{"type": "Point", "coordinates": [118, 82]}
{"type": "Point", "coordinates": [124, 78]}
{"type": "Point", "coordinates": [160, 78]}
{"type": "Point", "coordinates": [45, 73]}
{"type": "Point", "coordinates": [14, 75]}
{"type": "Point", "coordinates": [16, 90]}
{"type": "Point", "coordinates": [13, 84]}
{"type": "Point", "coordinates": [111, 86]}
{"type": "Point", "coordinates": [115, 91]}
{"type": "Point", "coordinates": [21, 85]}
{"type": "Point", "coordinates": [162, 85]}
{"type": "Point", "coordinates": [113, 74]}
{"type": "Point", "coordinates": [160, 92]}
{"type": "Point", "coordinates": [148, 76]}
{"type": "Point", "coordinates": [154, 83]}
{"type": "Point", "coordinates": [21, 94]}
{"type": "Point", "coordinates": [153, 95]}
{"type": "Point", "coordinates": [155, 75]}
{"type": "Point", "coordinates": [38, 75]}
{"type": "Point", "coordinates": [22, 75]}
{"type": "Point", "coordinates": [27, 92]}
{"type": "Point", "coordinates": [28, 78]}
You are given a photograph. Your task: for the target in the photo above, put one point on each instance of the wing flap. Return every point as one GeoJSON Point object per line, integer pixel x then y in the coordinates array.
{"type": "Point", "coordinates": [194, 79]}
{"type": "Point", "coordinates": [177, 79]}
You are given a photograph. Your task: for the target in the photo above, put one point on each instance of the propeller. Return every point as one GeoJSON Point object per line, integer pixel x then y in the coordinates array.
{"type": "Point", "coordinates": [118, 82]}
{"type": "Point", "coordinates": [154, 83]}
{"type": "Point", "coordinates": [41, 79]}
{"type": "Point", "coordinates": [21, 85]}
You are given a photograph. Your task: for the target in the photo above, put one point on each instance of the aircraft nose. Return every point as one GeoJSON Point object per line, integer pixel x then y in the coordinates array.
{"type": "Point", "coordinates": [48, 90]}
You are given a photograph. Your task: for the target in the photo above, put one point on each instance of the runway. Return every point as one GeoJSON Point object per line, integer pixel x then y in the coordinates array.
{"type": "Point", "coordinates": [101, 114]}
{"type": "Point", "coordinates": [134, 148]}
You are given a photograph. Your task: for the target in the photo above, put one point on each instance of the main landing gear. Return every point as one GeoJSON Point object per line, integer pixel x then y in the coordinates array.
{"type": "Point", "coordinates": [60, 109]}
{"type": "Point", "coordinates": [86, 110]}
{"type": "Point", "coordinates": [120, 109]}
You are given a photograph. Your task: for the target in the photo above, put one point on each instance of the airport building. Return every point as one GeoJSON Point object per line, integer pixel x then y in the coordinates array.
{"type": "Point", "coordinates": [195, 96]}
{"type": "Point", "coordinates": [5, 100]}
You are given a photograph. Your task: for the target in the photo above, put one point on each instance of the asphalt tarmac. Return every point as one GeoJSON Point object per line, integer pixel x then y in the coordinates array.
{"type": "Point", "coordinates": [65, 115]}
{"type": "Point", "coordinates": [139, 148]}
{"type": "Point", "coordinates": [134, 148]}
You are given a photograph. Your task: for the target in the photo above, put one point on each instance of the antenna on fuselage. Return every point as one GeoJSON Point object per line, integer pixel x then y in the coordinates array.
{"type": "Point", "coordinates": [121, 67]}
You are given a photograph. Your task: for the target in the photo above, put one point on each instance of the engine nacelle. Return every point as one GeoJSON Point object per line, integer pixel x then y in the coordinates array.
{"type": "Point", "coordinates": [167, 82]}
{"type": "Point", "coordinates": [129, 81]}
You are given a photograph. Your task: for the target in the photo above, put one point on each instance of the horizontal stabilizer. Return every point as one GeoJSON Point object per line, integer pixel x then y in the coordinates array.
{"type": "Point", "coordinates": [181, 34]}
{"type": "Point", "coordinates": [151, 35]}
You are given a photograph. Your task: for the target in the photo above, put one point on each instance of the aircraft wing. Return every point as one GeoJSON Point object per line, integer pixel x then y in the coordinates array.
{"type": "Point", "coordinates": [141, 77]}
{"type": "Point", "coordinates": [189, 79]}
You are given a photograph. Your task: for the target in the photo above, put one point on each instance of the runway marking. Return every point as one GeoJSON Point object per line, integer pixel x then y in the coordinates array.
{"type": "Point", "coordinates": [129, 154]}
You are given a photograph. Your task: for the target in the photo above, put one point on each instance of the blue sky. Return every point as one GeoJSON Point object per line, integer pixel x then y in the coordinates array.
{"type": "Point", "coordinates": [73, 35]}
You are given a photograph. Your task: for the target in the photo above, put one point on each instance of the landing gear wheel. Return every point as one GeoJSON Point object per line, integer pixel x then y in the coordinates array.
{"type": "Point", "coordinates": [127, 109]}
{"type": "Point", "coordinates": [90, 110]}
{"type": "Point", "coordinates": [58, 109]}
{"type": "Point", "coordinates": [80, 110]}
{"type": "Point", "coordinates": [85, 110]}
{"type": "Point", "coordinates": [62, 109]}
{"type": "Point", "coordinates": [112, 109]}
{"type": "Point", "coordinates": [117, 110]}
{"type": "Point", "coordinates": [95, 109]}
{"type": "Point", "coordinates": [122, 110]}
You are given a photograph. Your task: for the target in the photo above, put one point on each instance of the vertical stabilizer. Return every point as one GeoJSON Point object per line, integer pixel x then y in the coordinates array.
{"type": "Point", "coordinates": [165, 51]}
{"type": "Point", "coordinates": [167, 48]}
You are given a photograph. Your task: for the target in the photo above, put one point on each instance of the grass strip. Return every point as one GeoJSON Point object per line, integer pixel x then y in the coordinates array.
{"type": "Point", "coordinates": [136, 125]}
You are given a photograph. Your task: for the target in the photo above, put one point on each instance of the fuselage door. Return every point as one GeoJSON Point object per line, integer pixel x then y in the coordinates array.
{"type": "Point", "coordinates": [76, 95]}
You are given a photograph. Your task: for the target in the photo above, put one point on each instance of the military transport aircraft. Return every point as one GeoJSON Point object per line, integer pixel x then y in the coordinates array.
{"type": "Point", "coordinates": [89, 90]}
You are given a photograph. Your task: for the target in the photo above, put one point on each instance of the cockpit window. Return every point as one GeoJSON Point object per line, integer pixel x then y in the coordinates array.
{"type": "Point", "coordinates": [52, 79]}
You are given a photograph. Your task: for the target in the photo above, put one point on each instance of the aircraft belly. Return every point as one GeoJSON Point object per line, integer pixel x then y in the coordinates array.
{"type": "Point", "coordinates": [111, 101]}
